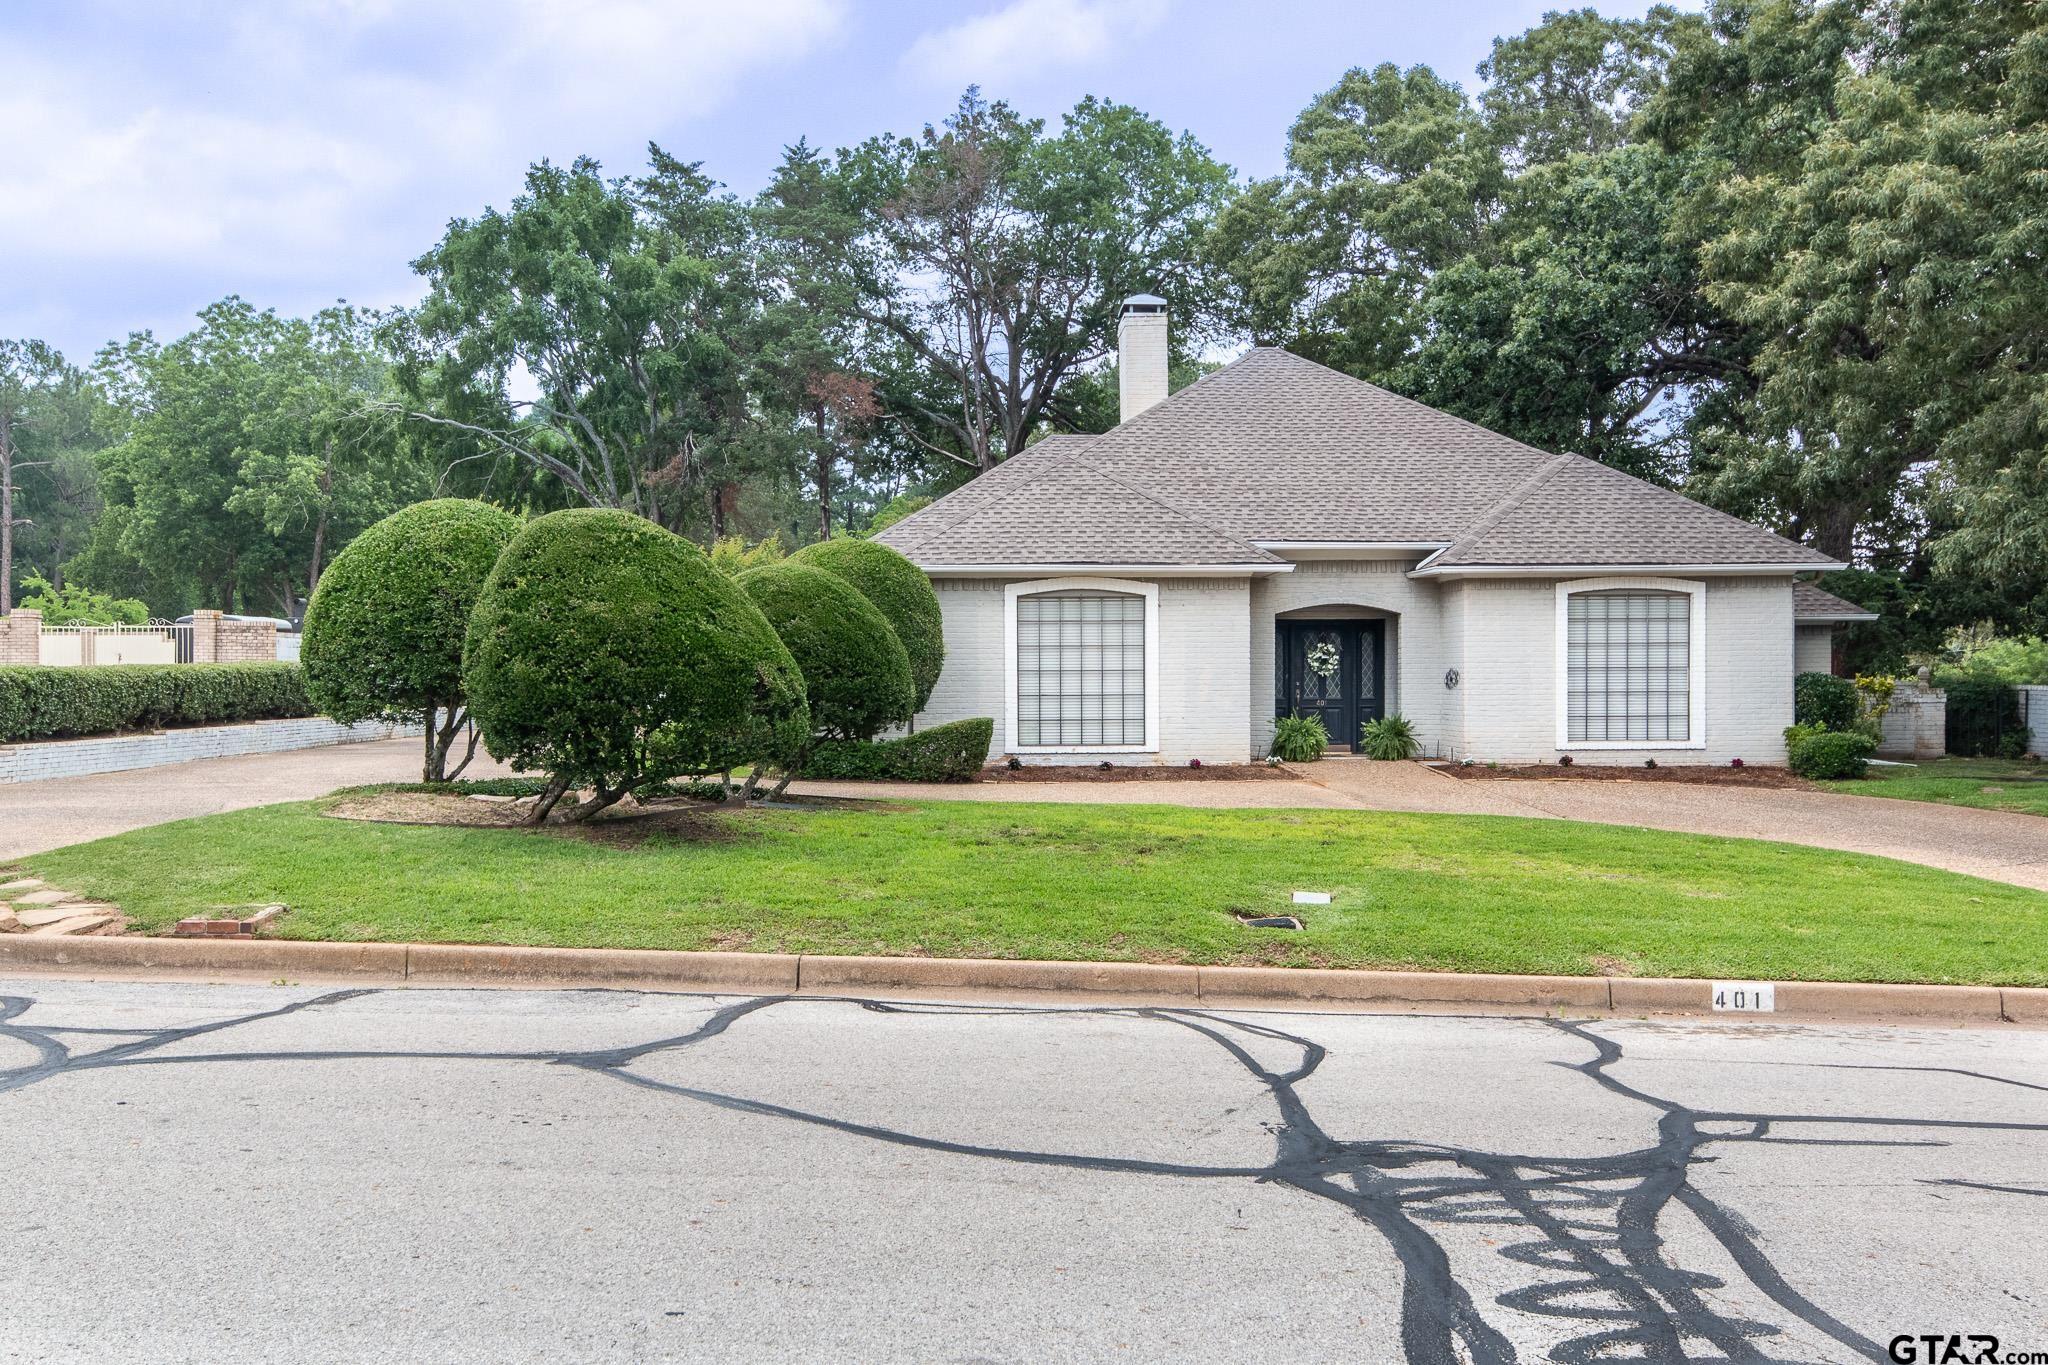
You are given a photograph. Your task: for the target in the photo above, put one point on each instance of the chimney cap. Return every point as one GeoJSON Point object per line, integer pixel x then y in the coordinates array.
{"type": "Point", "coordinates": [1142, 303]}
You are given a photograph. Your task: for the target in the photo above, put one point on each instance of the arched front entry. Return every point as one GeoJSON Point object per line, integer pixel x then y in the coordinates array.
{"type": "Point", "coordinates": [1332, 669]}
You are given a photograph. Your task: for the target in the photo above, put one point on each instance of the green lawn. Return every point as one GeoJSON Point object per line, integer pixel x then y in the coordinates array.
{"type": "Point", "coordinates": [1987, 783]}
{"type": "Point", "coordinates": [1151, 883]}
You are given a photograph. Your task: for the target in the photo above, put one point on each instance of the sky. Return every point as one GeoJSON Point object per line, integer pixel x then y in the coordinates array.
{"type": "Point", "coordinates": [154, 158]}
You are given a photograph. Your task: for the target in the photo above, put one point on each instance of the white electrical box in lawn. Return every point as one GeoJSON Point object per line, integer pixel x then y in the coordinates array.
{"type": "Point", "coordinates": [1311, 898]}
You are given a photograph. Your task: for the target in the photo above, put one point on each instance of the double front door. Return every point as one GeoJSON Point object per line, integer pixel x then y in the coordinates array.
{"type": "Point", "coordinates": [1332, 669]}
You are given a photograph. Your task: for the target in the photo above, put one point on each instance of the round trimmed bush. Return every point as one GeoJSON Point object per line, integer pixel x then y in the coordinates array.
{"type": "Point", "coordinates": [856, 671]}
{"type": "Point", "coordinates": [902, 593]}
{"type": "Point", "coordinates": [609, 653]}
{"type": "Point", "coordinates": [1825, 700]}
{"type": "Point", "coordinates": [1829, 755]}
{"type": "Point", "coordinates": [383, 633]}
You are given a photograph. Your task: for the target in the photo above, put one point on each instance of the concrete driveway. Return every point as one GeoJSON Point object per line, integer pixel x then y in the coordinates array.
{"type": "Point", "coordinates": [35, 816]}
{"type": "Point", "coordinates": [247, 1173]}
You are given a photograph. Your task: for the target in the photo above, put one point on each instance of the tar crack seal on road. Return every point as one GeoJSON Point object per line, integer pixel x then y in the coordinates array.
{"type": "Point", "coordinates": [1589, 1226]}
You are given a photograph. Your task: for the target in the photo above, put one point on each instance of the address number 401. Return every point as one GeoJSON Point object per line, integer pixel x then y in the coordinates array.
{"type": "Point", "coordinates": [1747, 997]}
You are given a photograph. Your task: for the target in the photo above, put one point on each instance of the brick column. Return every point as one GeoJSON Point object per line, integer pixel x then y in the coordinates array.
{"type": "Point", "coordinates": [246, 642]}
{"type": "Point", "coordinates": [21, 637]}
{"type": "Point", "coordinates": [205, 637]}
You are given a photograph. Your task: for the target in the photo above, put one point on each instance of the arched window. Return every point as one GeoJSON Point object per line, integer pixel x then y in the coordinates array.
{"type": "Point", "coordinates": [1082, 665]}
{"type": "Point", "coordinates": [1631, 664]}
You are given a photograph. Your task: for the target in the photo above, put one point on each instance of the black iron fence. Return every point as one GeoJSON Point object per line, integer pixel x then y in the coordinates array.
{"type": "Point", "coordinates": [1987, 719]}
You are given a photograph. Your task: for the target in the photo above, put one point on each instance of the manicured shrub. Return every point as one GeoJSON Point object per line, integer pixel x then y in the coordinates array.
{"type": "Point", "coordinates": [1389, 738]}
{"type": "Point", "coordinates": [385, 627]}
{"type": "Point", "coordinates": [1825, 700]}
{"type": "Point", "coordinates": [608, 653]}
{"type": "Point", "coordinates": [902, 593]}
{"type": "Point", "coordinates": [1827, 755]}
{"type": "Point", "coordinates": [63, 703]}
{"type": "Point", "coordinates": [953, 752]}
{"type": "Point", "coordinates": [1299, 739]}
{"type": "Point", "coordinates": [856, 671]}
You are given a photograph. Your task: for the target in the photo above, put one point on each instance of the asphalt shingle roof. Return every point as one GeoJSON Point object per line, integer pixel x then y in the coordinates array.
{"type": "Point", "coordinates": [1277, 448]}
{"type": "Point", "coordinates": [1811, 604]}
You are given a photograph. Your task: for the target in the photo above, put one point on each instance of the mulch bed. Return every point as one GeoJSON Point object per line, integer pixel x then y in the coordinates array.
{"type": "Point", "coordinates": [1698, 775]}
{"type": "Point", "coordinates": [1208, 772]}
{"type": "Point", "coordinates": [625, 825]}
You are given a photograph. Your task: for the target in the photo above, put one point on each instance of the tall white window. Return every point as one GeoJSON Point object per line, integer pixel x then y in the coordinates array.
{"type": "Point", "coordinates": [1630, 665]}
{"type": "Point", "coordinates": [1080, 669]}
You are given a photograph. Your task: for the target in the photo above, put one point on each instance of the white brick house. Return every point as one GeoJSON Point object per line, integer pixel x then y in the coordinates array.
{"type": "Point", "coordinates": [1280, 538]}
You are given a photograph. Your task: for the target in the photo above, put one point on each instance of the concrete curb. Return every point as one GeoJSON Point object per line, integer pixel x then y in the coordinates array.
{"type": "Point", "coordinates": [452, 964]}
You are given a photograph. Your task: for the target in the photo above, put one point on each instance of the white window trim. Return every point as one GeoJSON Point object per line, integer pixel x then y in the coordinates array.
{"type": "Point", "coordinates": [1148, 591]}
{"type": "Point", "coordinates": [1696, 661]}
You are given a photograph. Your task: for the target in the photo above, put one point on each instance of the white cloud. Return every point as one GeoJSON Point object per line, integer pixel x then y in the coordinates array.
{"type": "Point", "coordinates": [1025, 37]}
{"type": "Point", "coordinates": [309, 150]}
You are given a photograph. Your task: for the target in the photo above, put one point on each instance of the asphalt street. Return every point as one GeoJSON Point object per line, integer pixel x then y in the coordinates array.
{"type": "Point", "coordinates": [246, 1173]}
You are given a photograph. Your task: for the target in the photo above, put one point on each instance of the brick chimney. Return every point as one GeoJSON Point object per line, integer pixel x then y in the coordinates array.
{"type": "Point", "coordinates": [1140, 354]}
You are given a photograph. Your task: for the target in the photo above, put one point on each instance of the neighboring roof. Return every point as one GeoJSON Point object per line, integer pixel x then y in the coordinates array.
{"type": "Point", "coordinates": [1811, 604]}
{"type": "Point", "coordinates": [1275, 448]}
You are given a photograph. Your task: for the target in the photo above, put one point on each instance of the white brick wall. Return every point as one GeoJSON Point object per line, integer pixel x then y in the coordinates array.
{"type": "Point", "coordinates": [1509, 673]}
{"type": "Point", "coordinates": [44, 760]}
{"type": "Point", "coordinates": [1216, 641]}
{"type": "Point", "coordinates": [1813, 648]}
{"type": "Point", "coordinates": [1204, 627]}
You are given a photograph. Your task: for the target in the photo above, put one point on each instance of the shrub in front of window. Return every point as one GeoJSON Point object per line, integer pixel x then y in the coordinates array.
{"type": "Point", "coordinates": [1825, 700]}
{"type": "Point", "coordinates": [953, 752]}
{"type": "Point", "coordinates": [384, 630]}
{"type": "Point", "coordinates": [1827, 755]}
{"type": "Point", "coordinates": [609, 654]}
{"type": "Point", "coordinates": [900, 591]}
{"type": "Point", "coordinates": [1389, 738]}
{"type": "Point", "coordinates": [1300, 739]}
{"type": "Point", "coordinates": [856, 673]}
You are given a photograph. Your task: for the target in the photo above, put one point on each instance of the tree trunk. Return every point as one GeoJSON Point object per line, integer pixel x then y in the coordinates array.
{"type": "Point", "coordinates": [821, 475]}
{"type": "Point", "coordinates": [553, 793]}
{"type": "Point", "coordinates": [6, 513]}
{"type": "Point", "coordinates": [319, 545]}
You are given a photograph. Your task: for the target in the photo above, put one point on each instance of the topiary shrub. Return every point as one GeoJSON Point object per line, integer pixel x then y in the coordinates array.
{"type": "Point", "coordinates": [1299, 739]}
{"type": "Point", "coordinates": [856, 671]}
{"type": "Point", "coordinates": [1825, 700]}
{"type": "Point", "coordinates": [953, 752]}
{"type": "Point", "coordinates": [609, 654]}
{"type": "Point", "coordinates": [1389, 738]}
{"type": "Point", "coordinates": [902, 593]}
{"type": "Point", "coordinates": [64, 703]}
{"type": "Point", "coordinates": [384, 630]}
{"type": "Point", "coordinates": [1827, 755]}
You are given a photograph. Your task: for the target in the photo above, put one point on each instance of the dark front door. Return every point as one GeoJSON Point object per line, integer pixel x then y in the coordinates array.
{"type": "Point", "coordinates": [1331, 669]}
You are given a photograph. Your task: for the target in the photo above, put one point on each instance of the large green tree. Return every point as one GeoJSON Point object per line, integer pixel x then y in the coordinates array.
{"type": "Point", "coordinates": [980, 264]}
{"type": "Point", "coordinates": [253, 448]}
{"type": "Point", "coordinates": [51, 421]}
{"type": "Point", "coordinates": [1878, 218]}
{"type": "Point", "coordinates": [628, 304]}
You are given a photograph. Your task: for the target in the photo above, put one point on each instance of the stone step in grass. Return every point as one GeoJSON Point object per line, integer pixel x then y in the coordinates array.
{"type": "Point", "coordinates": [29, 905]}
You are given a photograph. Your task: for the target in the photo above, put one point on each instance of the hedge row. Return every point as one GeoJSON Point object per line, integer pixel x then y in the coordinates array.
{"type": "Point", "coordinates": [953, 752]}
{"type": "Point", "coordinates": [60, 703]}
